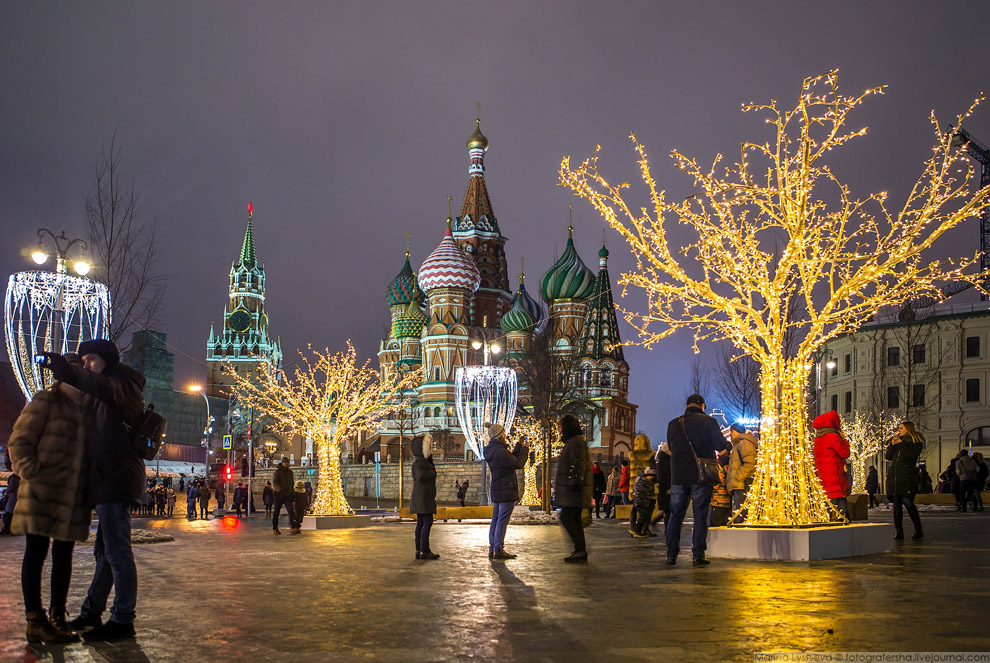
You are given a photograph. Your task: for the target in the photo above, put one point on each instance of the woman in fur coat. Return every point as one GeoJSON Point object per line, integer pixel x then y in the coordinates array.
{"type": "Point", "coordinates": [48, 451]}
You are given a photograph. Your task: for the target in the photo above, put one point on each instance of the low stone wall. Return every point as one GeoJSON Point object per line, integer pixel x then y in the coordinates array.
{"type": "Point", "coordinates": [359, 480]}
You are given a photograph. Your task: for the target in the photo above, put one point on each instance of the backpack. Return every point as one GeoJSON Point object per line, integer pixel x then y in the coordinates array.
{"type": "Point", "coordinates": [149, 433]}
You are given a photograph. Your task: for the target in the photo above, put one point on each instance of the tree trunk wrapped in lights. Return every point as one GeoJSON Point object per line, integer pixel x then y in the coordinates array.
{"type": "Point", "coordinates": [533, 431]}
{"type": "Point", "coordinates": [867, 435]}
{"type": "Point", "coordinates": [329, 397]}
{"type": "Point", "coordinates": [775, 227]}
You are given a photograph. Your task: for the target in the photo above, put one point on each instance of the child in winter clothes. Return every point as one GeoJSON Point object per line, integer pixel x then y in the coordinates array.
{"type": "Point", "coordinates": [721, 506]}
{"type": "Point", "coordinates": [644, 497]}
{"type": "Point", "coordinates": [300, 506]}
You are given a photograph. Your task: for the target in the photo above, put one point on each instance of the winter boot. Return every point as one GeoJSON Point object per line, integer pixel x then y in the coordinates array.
{"type": "Point", "coordinates": [40, 630]}
{"type": "Point", "coordinates": [898, 525]}
{"type": "Point", "coordinates": [916, 521]}
{"type": "Point", "coordinates": [59, 620]}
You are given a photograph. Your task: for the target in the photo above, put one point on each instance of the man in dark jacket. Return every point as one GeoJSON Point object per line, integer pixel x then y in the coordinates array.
{"type": "Point", "coordinates": [705, 436]}
{"type": "Point", "coordinates": [282, 483]}
{"type": "Point", "coordinates": [573, 484]}
{"type": "Point", "coordinates": [504, 487]}
{"type": "Point", "coordinates": [423, 501]}
{"type": "Point", "coordinates": [116, 482]}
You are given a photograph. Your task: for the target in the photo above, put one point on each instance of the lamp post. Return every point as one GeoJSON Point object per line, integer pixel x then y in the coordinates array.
{"type": "Point", "coordinates": [80, 266]}
{"type": "Point", "coordinates": [830, 364]}
{"type": "Point", "coordinates": [491, 349]}
{"type": "Point", "coordinates": [206, 430]}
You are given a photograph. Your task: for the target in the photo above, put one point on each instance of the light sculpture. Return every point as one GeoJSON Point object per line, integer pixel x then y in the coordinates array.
{"type": "Point", "coordinates": [867, 436]}
{"type": "Point", "coordinates": [782, 258]}
{"type": "Point", "coordinates": [484, 395]}
{"type": "Point", "coordinates": [50, 312]}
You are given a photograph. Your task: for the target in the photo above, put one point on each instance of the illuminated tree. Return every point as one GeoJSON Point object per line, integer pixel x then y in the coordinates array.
{"type": "Point", "coordinates": [867, 435]}
{"type": "Point", "coordinates": [775, 227]}
{"type": "Point", "coordinates": [534, 432]}
{"type": "Point", "coordinates": [330, 398]}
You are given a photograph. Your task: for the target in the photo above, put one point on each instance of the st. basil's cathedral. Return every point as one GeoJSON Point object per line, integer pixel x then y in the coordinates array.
{"type": "Point", "coordinates": [461, 295]}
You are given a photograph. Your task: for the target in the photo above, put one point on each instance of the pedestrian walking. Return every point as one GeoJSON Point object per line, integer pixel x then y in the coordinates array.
{"type": "Point", "coordinates": [204, 501]}
{"type": "Point", "coordinates": [423, 501]}
{"type": "Point", "coordinates": [461, 490]}
{"type": "Point", "coordinates": [268, 498]}
{"type": "Point", "coordinates": [873, 486]}
{"type": "Point", "coordinates": [742, 468]}
{"type": "Point", "coordinates": [903, 452]}
{"type": "Point", "coordinates": [981, 479]}
{"type": "Point", "coordinates": [240, 497]}
{"type": "Point", "coordinates": [282, 486]}
{"type": "Point", "coordinates": [170, 501]}
{"type": "Point", "coordinates": [573, 484]}
{"type": "Point", "coordinates": [10, 502]}
{"type": "Point", "coordinates": [502, 464]}
{"type": "Point", "coordinates": [644, 497]}
{"type": "Point", "coordinates": [309, 494]}
{"type": "Point", "coordinates": [624, 482]}
{"type": "Point", "coordinates": [115, 482]}
{"type": "Point", "coordinates": [221, 495]}
{"type": "Point", "coordinates": [300, 504]}
{"type": "Point", "coordinates": [48, 451]}
{"type": "Point", "coordinates": [597, 487]}
{"type": "Point", "coordinates": [191, 495]}
{"type": "Point", "coordinates": [692, 435]}
{"type": "Point", "coordinates": [612, 494]}
{"type": "Point", "coordinates": [831, 455]}
{"type": "Point", "coordinates": [662, 462]}
{"type": "Point", "coordinates": [968, 471]}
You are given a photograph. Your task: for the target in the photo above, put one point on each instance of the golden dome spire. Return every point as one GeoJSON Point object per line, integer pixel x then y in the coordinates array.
{"type": "Point", "coordinates": [477, 140]}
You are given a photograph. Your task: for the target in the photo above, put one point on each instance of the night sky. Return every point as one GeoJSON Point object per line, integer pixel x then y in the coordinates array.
{"type": "Point", "coordinates": [345, 125]}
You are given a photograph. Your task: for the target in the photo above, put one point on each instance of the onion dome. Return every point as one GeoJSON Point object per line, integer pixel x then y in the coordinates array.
{"type": "Point", "coordinates": [410, 324]}
{"type": "Point", "coordinates": [449, 267]}
{"type": "Point", "coordinates": [402, 288]}
{"type": "Point", "coordinates": [477, 140]}
{"type": "Point", "coordinates": [568, 278]}
{"type": "Point", "coordinates": [524, 312]}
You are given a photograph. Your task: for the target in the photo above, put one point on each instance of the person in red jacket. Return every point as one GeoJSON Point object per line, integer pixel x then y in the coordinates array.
{"type": "Point", "coordinates": [831, 453]}
{"type": "Point", "coordinates": [624, 483]}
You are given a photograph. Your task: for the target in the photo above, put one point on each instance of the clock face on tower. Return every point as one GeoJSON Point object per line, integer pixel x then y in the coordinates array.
{"type": "Point", "coordinates": [239, 321]}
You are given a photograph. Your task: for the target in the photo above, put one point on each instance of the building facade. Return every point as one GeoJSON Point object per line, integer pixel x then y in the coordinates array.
{"type": "Point", "coordinates": [461, 297]}
{"type": "Point", "coordinates": [931, 367]}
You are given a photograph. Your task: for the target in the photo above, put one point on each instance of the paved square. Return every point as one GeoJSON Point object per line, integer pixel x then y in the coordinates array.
{"type": "Point", "coordinates": [231, 591]}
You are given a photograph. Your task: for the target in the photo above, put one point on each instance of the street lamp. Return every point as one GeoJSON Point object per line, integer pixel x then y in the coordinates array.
{"type": "Point", "coordinates": [198, 389]}
{"type": "Point", "coordinates": [830, 364]}
{"type": "Point", "coordinates": [52, 311]}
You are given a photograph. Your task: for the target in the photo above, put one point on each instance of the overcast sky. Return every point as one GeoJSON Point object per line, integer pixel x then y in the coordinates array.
{"type": "Point", "coordinates": [345, 125]}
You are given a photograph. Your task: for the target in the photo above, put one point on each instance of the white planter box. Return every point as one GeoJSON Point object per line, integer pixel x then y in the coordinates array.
{"type": "Point", "coordinates": [802, 544]}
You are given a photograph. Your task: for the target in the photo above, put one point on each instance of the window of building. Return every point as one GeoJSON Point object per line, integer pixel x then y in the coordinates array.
{"type": "Point", "coordinates": [893, 356]}
{"type": "Point", "coordinates": [436, 375]}
{"type": "Point", "coordinates": [918, 395]}
{"type": "Point", "coordinates": [978, 436]}
{"type": "Point", "coordinates": [835, 402]}
{"type": "Point", "coordinates": [606, 377]}
{"type": "Point", "coordinates": [972, 390]}
{"type": "Point", "coordinates": [835, 369]}
{"type": "Point", "coordinates": [849, 402]}
{"type": "Point", "coordinates": [893, 397]}
{"type": "Point", "coordinates": [847, 363]}
{"type": "Point", "coordinates": [972, 346]}
{"type": "Point", "coordinates": [918, 354]}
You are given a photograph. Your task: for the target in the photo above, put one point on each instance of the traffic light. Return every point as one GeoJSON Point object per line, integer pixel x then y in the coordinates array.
{"type": "Point", "coordinates": [228, 473]}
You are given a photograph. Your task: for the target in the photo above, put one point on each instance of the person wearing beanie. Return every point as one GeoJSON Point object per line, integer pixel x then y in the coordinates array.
{"type": "Point", "coordinates": [423, 501]}
{"type": "Point", "coordinates": [504, 487]}
{"type": "Point", "coordinates": [282, 484]}
{"type": "Point", "coordinates": [742, 468]}
{"type": "Point", "coordinates": [300, 504]}
{"type": "Point", "coordinates": [116, 481]}
{"type": "Point", "coordinates": [573, 484]}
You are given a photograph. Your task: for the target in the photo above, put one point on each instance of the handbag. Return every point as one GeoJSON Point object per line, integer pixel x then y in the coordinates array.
{"type": "Point", "coordinates": [707, 467]}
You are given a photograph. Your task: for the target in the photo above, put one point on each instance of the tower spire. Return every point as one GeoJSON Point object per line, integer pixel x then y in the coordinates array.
{"type": "Point", "coordinates": [249, 255]}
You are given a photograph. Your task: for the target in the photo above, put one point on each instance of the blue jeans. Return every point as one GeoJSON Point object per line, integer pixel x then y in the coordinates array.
{"type": "Point", "coordinates": [501, 511]}
{"type": "Point", "coordinates": [115, 566]}
{"type": "Point", "coordinates": [701, 498]}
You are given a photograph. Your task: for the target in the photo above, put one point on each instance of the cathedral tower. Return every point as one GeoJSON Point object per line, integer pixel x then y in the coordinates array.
{"type": "Point", "coordinates": [566, 287]}
{"type": "Point", "coordinates": [243, 342]}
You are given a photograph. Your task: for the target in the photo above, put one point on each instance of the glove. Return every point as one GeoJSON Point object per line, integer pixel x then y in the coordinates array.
{"type": "Point", "coordinates": [55, 363]}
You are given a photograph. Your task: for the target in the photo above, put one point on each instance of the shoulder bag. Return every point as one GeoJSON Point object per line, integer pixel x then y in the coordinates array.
{"type": "Point", "coordinates": [707, 467]}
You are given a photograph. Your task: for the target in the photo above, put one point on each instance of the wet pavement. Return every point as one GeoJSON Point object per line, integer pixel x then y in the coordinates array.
{"type": "Point", "coordinates": [229, 590]}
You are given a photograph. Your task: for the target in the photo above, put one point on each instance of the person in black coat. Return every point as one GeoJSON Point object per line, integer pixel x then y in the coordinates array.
{"type": "Point", "coordinates": [573, 484]}
{"type": "Point", "coordinates": [706, 438]}
{"type": "Point", "coordinates": [116, 481]}
{"type": "Point", "coordinates": [504, 486]}
{"type": "Point", "coordinates": [597, 487]}
{"type": "Point", "coordinates": [873, 487]}
{"type": "Point", "coordinates": [902, 476]}
{"type": "Point", "coordinates": [423, 501]}
{"type": "Point", "coordinates": [662, 462]}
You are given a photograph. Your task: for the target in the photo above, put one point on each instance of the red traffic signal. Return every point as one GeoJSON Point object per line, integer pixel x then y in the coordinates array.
{"type": "Point", "coordinates": [228, 473]}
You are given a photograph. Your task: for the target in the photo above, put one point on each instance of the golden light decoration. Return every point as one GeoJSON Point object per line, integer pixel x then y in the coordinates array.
{"type": "Point", "coordinates": [330, 397]}
{"type": "Point", "coordinates": [867, 434]}
{"type": "Point", "coordinates": [534, 434]}
{"type": "Point", "coordinates": [784, 258]}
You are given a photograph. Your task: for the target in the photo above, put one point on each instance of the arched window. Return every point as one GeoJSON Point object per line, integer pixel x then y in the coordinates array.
{"type": "Point", "coordinates": [606, 377]}
{"type": "Point", "coordinates": [978, 436]}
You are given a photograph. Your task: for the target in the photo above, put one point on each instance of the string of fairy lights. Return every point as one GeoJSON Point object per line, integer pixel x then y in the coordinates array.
{"type": "Point", "coordinates": [867, 434]}
{"type": "Point", "coordinates": [331, 399]}
{"type": "Point", "coordinates": [776, 227]}
{"type": "Point", "coordinates": [533, 432]}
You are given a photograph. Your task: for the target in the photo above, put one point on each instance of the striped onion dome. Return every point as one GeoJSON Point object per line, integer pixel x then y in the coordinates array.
{"type": "Point", "coordinates": [402, 288]}
{"type": "Point", "coordinates": [568, 278]}
{"type": "Point", "coordinates": [449, 267]}
{"type": "Point", "coordinates": [524, 311]}
{"type": "Point", "coordinates": [410, 324]}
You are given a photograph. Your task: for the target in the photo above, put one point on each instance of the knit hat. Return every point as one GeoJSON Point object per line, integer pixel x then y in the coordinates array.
{"type": "Point", "coordinates": [300, 487]}
{"type": "Point", "coordinates": [106, 350]}
{"type": "Point", "coordinates": [495, 430]}
{"type": "Point", "coordinates": [739, 428]}
{"type": "Point", "coordinates": [285, 459]}
{"type": "Point", "coordinates": [696, 399]}
{"type": "Point", "coordinates": [651, 472]}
